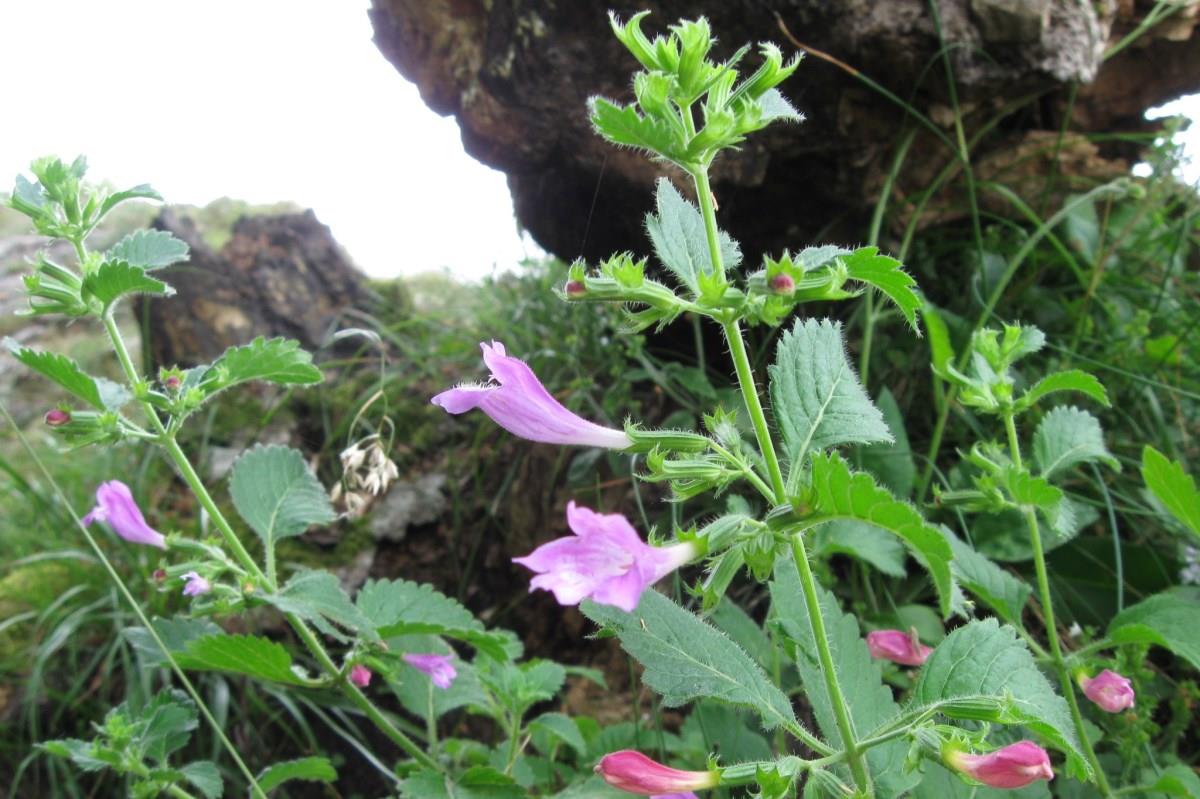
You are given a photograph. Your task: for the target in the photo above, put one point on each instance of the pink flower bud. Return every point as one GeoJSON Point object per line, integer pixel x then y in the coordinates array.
{"type": "Point", "coordinates": [57, 417]}
{"type": "Point", "coordinates": [439, 668]}
{"type": "Point", "coordinates": [1109, 690]}
{"type": "Point", "coordinates": [172, 382]}
{"type": "Point", "coordinates": [159, 575]}
{"type": "Point", "coordinates": [782, 284]}
{"type": "Point", "coordinates": [634, 772]}
{"type": "Point", "coordinates": [1014, 766]}
{"type": "Point", "coordinates": [897, 646]}
{"type": "Point", "coordinates": [360, 675]}
{"type": "Point", "coordinates": [115, 505]}
{"type": "Point", "coordinates": [195, 585]}
{"type": "Point", "coordinates": [575, 288]}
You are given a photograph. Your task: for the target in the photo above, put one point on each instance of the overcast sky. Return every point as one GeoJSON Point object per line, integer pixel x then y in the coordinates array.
{"type": "Point", "coordinates": [261, 100]}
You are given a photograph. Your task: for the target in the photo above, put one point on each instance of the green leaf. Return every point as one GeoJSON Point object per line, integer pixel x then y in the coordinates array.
{"type": "Point", "coordinates": [99, 393]}
{"type": "Point", "coordinates": [817, 399]}
{"type": "Point", "coordinates": [982, 658]}
{"type": "Point", "coordinates": [477, 782]}
{"type": "Point", "coordinates": [1068, 436]}
{"type": "Point", "coordinates": [149, 249]}
{"type": "Point", "coordinates": [28, 197]}
{"type": "Point", "coordinates": [205, 777]}
{"type": "Point", "coordinates": [869, 701]}
{"type": "Point", "coordinates": [1070, 380]}
{"type": "Point", "coordinates": [401, 607]}
{"type": "Point", "coordinates": [175, 634]}
{"type": "Point", "coordinates": [863, 541]}
{"type": "Point", "coordinates": [276, 360]}
{"type": "Point", "coordinates": [115, 279]}
{"type": "Point", "coordinates": [562, 728]}
{"type": "Point", "coordinates": [1176, 780]}
{"type": "Point", "coordinates": [142, 191]}
{"type": "Point", "coordinates": [624, 125]}
{"type": "Point", "coordinates": [995, 587]}
{"type": "Point", "coordinates": [1173, 487]}
{"type": "Point", "coordinates": [729, 618]}
{"type": "Point", "coordinates": [86, 755]}
{"type": "Point", "coordinates": [678, 234]}
{"type": "Point", "coordinates": [686, 659]}
{"type": "Point", "coordinates": [318, 597]}
{"type": "Point", "coordinates": [248, 655]}
{"type": "Point", "coordinates": [168, 720]}
{"type": "Point", "coordinates": [775, 106]}
{"type": "Point", "coordinates": [891, 463]}
{"type": "Point", "coordinates": [1029, 491]}
{"type": "Point", "coordinates": [276, 494]}
{"type": "Point", "coordinates": [886, 274]}
{"type": "Point", "coordinates": [940, 783]}
{"type": "Point", "coordinates": [941, 349]}
{"type": "Point", "coordinates": [311, 769]}
{"type": "Point", "coordinates": [1167, 619]}
{"type": "Point", "coordinates": [838, 493]}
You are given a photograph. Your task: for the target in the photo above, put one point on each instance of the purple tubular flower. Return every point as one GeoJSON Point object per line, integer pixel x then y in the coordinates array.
{"type": "Point", "coordinates": [360, 675]}
{"type": "Point", "coordinates": [897, 646]}
{"type": "Point", "coordinates": [1112, 692]}
{"type": "Point", "coordinates": [518, 402]}
{"type": "Point", "coordinates": [632, 771]}
{"type": "Point", "coordinates": [439, 668]}
{"type": "Point", "coordinates": [195, 585]}
{"type": "Point", "coordinates": [1014, 766]}
{"type": "Point", "coordinates": [115, 505]}
{"type": "Point", "coordinates": [605, 560]}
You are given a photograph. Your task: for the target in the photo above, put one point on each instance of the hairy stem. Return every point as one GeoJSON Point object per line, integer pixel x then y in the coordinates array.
{"type": "Point", "coordinates": [745, 376]}
{"type": "Point", "coordinates": [1056, 653]}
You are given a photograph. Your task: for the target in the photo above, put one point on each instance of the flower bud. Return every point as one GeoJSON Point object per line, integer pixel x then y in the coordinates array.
{"type": "Point", "coordinates": [575, 289]}
{"type": "Point", "coordinates": [634, 772]}
{"type": "Point", "coordinates": [57, 417]}
{"type": "Point", "coordinates": [1014, 766]}
{"type": "Point", "coordinates": [897, 646]}
{"type": "Point", "coordinates": [1112, 692]}
{"type": "Point", "coordinates": [360, 675]}
{"type": "Point", "coordinates": [782, 284]}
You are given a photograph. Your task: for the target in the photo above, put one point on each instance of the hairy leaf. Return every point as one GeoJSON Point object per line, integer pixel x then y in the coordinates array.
{"type": "Point", "coordinates": [318, 597]}
{"type": "Point", "coordinates": [1070, 380]}
{"type": "Point", "coordinates": [983, 658]}
{"type": "Point", "coordinates": [1168, 620]}
{"type": "Point", "coordinates": [310, 769]}
{"type": "Point", "coordinates": [101, 394]}
{"type": "Point", "coordinates": [679, 238]}
{"type": "Point", "coordinates": [477, 782]}
{"type": "Point", "coordinates": [240, 654]}
{"type": "Point", "coordinates": [149, 249]}
{"type": "Point", "coordinates": [817, 399]}
{"type": "Point", "coordinates": [686, 659]}
{"type": "Point", "coordinates": [995, 587]}
{"type": "Point", "coordinates": [1173, 487]}
{"type": "Point", "coordinates": [142, 191]}
{"type": "Point", "coordinates": [1068, 436]}
{"type": "Point", "coordinates": [891, 463]}
{"type": "Point", "coordinates": [870, 701]}
{"type": "Point", "coordinates": [401, 607]}
{"type": "Point", "coordinates": [887, 274]}
{"type": "Point", "coordinates": [116, 279]}
{"type": "Point", "coordinates": [204, 776]}
{"type": "Point", "coordinates": [276, 360]}
{"type": "Point", "coordinates": [276, 494]}
{"type": "Point", "coordinates": [863, 541]}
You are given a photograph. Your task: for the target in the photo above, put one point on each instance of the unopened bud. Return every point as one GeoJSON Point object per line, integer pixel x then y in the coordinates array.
{"type": "Point", "coordinates": [57, 417]}
{"type": "Point", "coordinates": [575, 288]}
{"type": "Point", "coordinates": [783, 284]}
{"type": "Point", "coordinates": [159, 575]}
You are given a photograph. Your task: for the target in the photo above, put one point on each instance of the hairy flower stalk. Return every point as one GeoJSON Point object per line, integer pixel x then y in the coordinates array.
{"type": "Point", "coordinates": [605, 560]}
{"type": "Point", "coordinates": [1014, 766]}
{"type": "Point", "coordinates": [440, 669]}
{"type": "Point", "coordinates": [518, 402]}
{"type": "Point", "coordinates": [633, 772]}
{"type": "Point", "coordinates": [1108, 690]}
{"type": "Point", "coordinates": [115, 505]}
{"type": "Point", "coordinates": [898, 646]}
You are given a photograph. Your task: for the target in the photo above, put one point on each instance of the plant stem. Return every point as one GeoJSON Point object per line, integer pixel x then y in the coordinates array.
{"type": "Point", "coordinates": [745, 376]}
{"type": "Point", "coordinates": [1056, 655]}
{"type": "Point", "coordinates": [845, 725]}
{"type": "Point", "coordinates": [431, 730]}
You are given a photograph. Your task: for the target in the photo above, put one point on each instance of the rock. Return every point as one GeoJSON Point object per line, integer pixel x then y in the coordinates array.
{"type": "Point", "coordinates": [407, 504]}
{"type": "Point", "coordinates": [516, 74]}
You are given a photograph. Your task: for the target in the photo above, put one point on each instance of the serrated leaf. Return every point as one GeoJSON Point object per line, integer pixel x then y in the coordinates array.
{"type": "Point", "coordinates": [149, 249]}
{"type": "Point", "coordinates": [318, 597]}
{"type": "Point", "coordinates": [891, 463]}
{"type": "Point", "coordinates": [141, 191]}
{"type": "Point", "coordinates": [887, 274]}
{"type": "Point", "coordinates": [775, 106]}
{"type": "Point", "coordinates": [680, 241]}
{"type": "Point", "coordinates": [61, 370]}
{"type": "Point", "coordinates": [869, 701]}
{"type": "Point", "coordinates": [276, 494]}
{"type": "Point", "coordinates": [401, 607]}
{"type": "Point", "coordinates": [562, 728]}
{"type": "Point", "coordinates": [624, 125]}
{"type": "Point", "coordinates": [1168, 620]}
{"type": "Point", "coordinates": [276, 360]}
{"type": "Point", "coordinates": [84, 754]}
{"type": "Point", "coordinates": [811, 258]}
{"type": "Point", "coordinates": [863, 541]}
{"type": "Point", "coordinates": [1070, 380]}
{"type": "Point", "coordinates": [477, 782]}
{"type": "Point", "coordinates": [205, 777]}
{"type": "Point", "coordinates": [729, 618]}
{"type": "Point", "coordinates": [1173, 487]}
{"type": "Point", "coordinates": [310, 769]}
{"type": "Point", "coordinates": [1030, 491]}
{"type": "Point", "coordinates": [168, 720]}
{"type": "Point", "coordinates": [687, 659]}
{"type": "Point", "coordinates": [247, 655]}
{"type": "Point", "coordinates": [839, 494]}
{"type": "Point", "coordinates": [983, 658]}
{"type": "Point", "coordinates": [175, 634]}
{"type": "Point", "coordinates": [1068, 436]}
{"type": "Point", "coordinates": [995, 587]}
{"type": "Point", "coordinates": [817, 399]}
{"type": "Point", "coordinates": [116, 279]}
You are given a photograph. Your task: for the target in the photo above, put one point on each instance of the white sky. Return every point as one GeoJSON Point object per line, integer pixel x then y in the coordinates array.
{"type": "Point", "coordinates": [261, 100]}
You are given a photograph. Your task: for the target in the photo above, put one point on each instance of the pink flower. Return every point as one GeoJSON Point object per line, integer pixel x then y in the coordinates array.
{"type": "Point", "coordinates": [439, 668]}
{"type": "Point", "coordinates": [57, 417]}
{"type": "Point", "coordinates": [898, 646]}
{"type": "Point", "coordinates": [195, 585]}
{"type": "Point", "coordinates": [1014, 766]}
{"type": "Point", "coordinates": [360, 675]}
{"type": "Point", "coordinates": [1109, 690]}
{"type": "Point", "coordinates": [518, 402]}
{"type": "Point", "coordinates": [634, 772]}
{"type": "Point", "coordinates": [605, 560]}
{"type": "Point", "coordinates": [115, 505]}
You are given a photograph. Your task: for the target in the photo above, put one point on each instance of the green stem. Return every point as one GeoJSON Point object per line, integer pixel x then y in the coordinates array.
{"type": "Point", "coordinates": [845, 725]}
{"type": "Point", "coordinates": [745, 376]}
{"type": "Point", "coordinates": [431, 730]}
{"type": "Point", "coordinates": [709, 212]}
{"type": "Point", "coordinates": [1056, 654]}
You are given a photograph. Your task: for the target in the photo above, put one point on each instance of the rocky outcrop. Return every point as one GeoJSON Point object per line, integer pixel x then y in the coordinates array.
{"type": "Point", "coordinates": [516, 75]}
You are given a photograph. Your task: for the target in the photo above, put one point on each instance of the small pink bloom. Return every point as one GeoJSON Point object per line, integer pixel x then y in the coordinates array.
{"type": "Point", "coordinates": [439, 668]}
{"type": "Point", "coordinates": [1109, 690]}
{"type": "Point", "coordinates": [1014, 766]}
{"type": "Point", "coordinates": [605, 560]}
{"type": "Point", "coordinates": [195, 585]}
{"type": "Point", "coordinates": [518, 402]}
{"type": "Point", "coordinates": [57, 417]}
{"type": "Point", "coordinates": [783, 284]}
{"type": "Point", "coordinates": [115, 505]}
{"type": "Point", "coordinates": [897, 646]}
{"type": "Point", "coordinates": [360, 675]}
{"type": "Point", "coordinates": [575, 288]}
{"type": "Point", "coordinates": [634, 772]}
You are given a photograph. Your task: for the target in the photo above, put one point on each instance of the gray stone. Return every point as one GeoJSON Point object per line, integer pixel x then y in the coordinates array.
{"type": "Point", "coordinates": [407, 504]}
